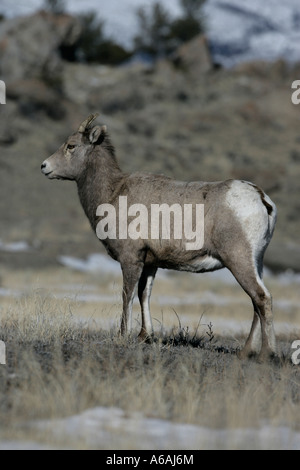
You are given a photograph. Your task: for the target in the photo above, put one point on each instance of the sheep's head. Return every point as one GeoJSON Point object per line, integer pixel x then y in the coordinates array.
{"type": "Point", "coordinates": [69, 161]}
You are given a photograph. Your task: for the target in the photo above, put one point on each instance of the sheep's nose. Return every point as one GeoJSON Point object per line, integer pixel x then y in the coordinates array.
{"type": "Point", "coordinates": [45, 167]}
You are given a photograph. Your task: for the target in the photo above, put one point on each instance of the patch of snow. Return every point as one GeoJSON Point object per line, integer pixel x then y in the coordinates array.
{"type": "Point", "coordinates": [288, 277]}
{"type": "Point", "coordinates": [88, 297]}
{"type": "Point", "coordinates": [243, 31]}
{"type": "Point", "coordinates": [109, 428]}
{"type": "Point", "coordinates": [94, 263]}
{"type": "Point", "coordinates": [14, 247]}
{"type": "Point", "coordinates": [22, 445]}
{"type": "Point", "coordinates": [4, 292]}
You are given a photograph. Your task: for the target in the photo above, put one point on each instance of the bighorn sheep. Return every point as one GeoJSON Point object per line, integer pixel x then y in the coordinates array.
{"type": "Point", "coordinates": [239, 220]}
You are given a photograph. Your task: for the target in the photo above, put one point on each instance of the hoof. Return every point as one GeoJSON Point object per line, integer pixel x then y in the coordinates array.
{"type": "Point", "coordinates": [269, 356]}
{"type": "Point", "coordinates": [144, 337]}
{"type": "Point", "coordinates": [246, 354]}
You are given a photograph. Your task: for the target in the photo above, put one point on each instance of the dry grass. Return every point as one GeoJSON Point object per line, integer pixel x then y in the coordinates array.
{"type": "Point", "coordinates": [58, 367]}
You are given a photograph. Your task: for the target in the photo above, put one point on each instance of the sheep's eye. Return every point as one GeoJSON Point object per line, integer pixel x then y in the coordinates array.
{"type": "Point", "coordinates": [71, 147]}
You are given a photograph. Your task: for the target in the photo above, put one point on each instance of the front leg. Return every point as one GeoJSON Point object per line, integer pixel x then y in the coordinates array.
{"type": "Point", "coordinates": [131, 276]}
{"type": "Point", "coordinates": [144, 291]}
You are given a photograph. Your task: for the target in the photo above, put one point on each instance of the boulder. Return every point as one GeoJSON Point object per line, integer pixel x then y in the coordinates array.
{"type": "Point", "coordinates": [29, 46]}
{"type": "Point", "coordinates": [194, 56]}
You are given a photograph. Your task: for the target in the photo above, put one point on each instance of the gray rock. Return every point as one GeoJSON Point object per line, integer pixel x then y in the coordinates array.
{"type": "Point", "coordinates": [194, 56]}
{"type": "Point", "coordinates": [29, 45]}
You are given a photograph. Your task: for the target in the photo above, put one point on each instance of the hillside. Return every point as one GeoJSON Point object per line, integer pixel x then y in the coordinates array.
{"type": "Point", "coordinates": [189, 120]}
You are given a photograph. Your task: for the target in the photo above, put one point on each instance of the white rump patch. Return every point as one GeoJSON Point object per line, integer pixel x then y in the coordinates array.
{"type": "Point", "coordinates": [245, 202]}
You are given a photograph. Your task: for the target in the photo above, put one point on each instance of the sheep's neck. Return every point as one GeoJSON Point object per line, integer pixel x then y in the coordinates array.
{"type": "Point", "coordinates": [99, 184]}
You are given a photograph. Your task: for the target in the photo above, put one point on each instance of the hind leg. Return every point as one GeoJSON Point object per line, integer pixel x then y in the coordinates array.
{"type": "Point", "coordinates": [250, 280]}
{"type": "Point", "coordinates": [264, 304]}
{"type": "Point", "coordinates": [253, 344]}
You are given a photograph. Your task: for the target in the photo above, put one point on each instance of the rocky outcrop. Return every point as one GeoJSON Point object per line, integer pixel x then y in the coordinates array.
{"type": "Point", "coordinates": [194, 56]}
{"type": "Point", "coordinates": [29, 46]}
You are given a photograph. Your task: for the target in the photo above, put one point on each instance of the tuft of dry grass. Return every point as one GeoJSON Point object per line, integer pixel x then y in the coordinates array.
{"type": "Point", "coordinates": [57, 367]}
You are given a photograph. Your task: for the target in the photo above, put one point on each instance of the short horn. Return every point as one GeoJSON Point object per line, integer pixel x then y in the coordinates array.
{"type": "Point", "coordinates": [85, 124]}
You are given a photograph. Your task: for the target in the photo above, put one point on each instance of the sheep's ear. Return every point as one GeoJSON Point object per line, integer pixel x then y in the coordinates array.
{"type": "Point", "coordinates": [95, 133]}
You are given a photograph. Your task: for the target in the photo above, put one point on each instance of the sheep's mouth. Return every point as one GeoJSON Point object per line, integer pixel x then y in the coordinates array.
{"type": "Point", "coordinates": [52, 176]}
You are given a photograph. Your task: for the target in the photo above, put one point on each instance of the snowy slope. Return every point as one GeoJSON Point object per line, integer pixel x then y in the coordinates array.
{"type": "Point", "coordinates": [242, 31]}
{"type": "Point", "coordinates": [238, 30]}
